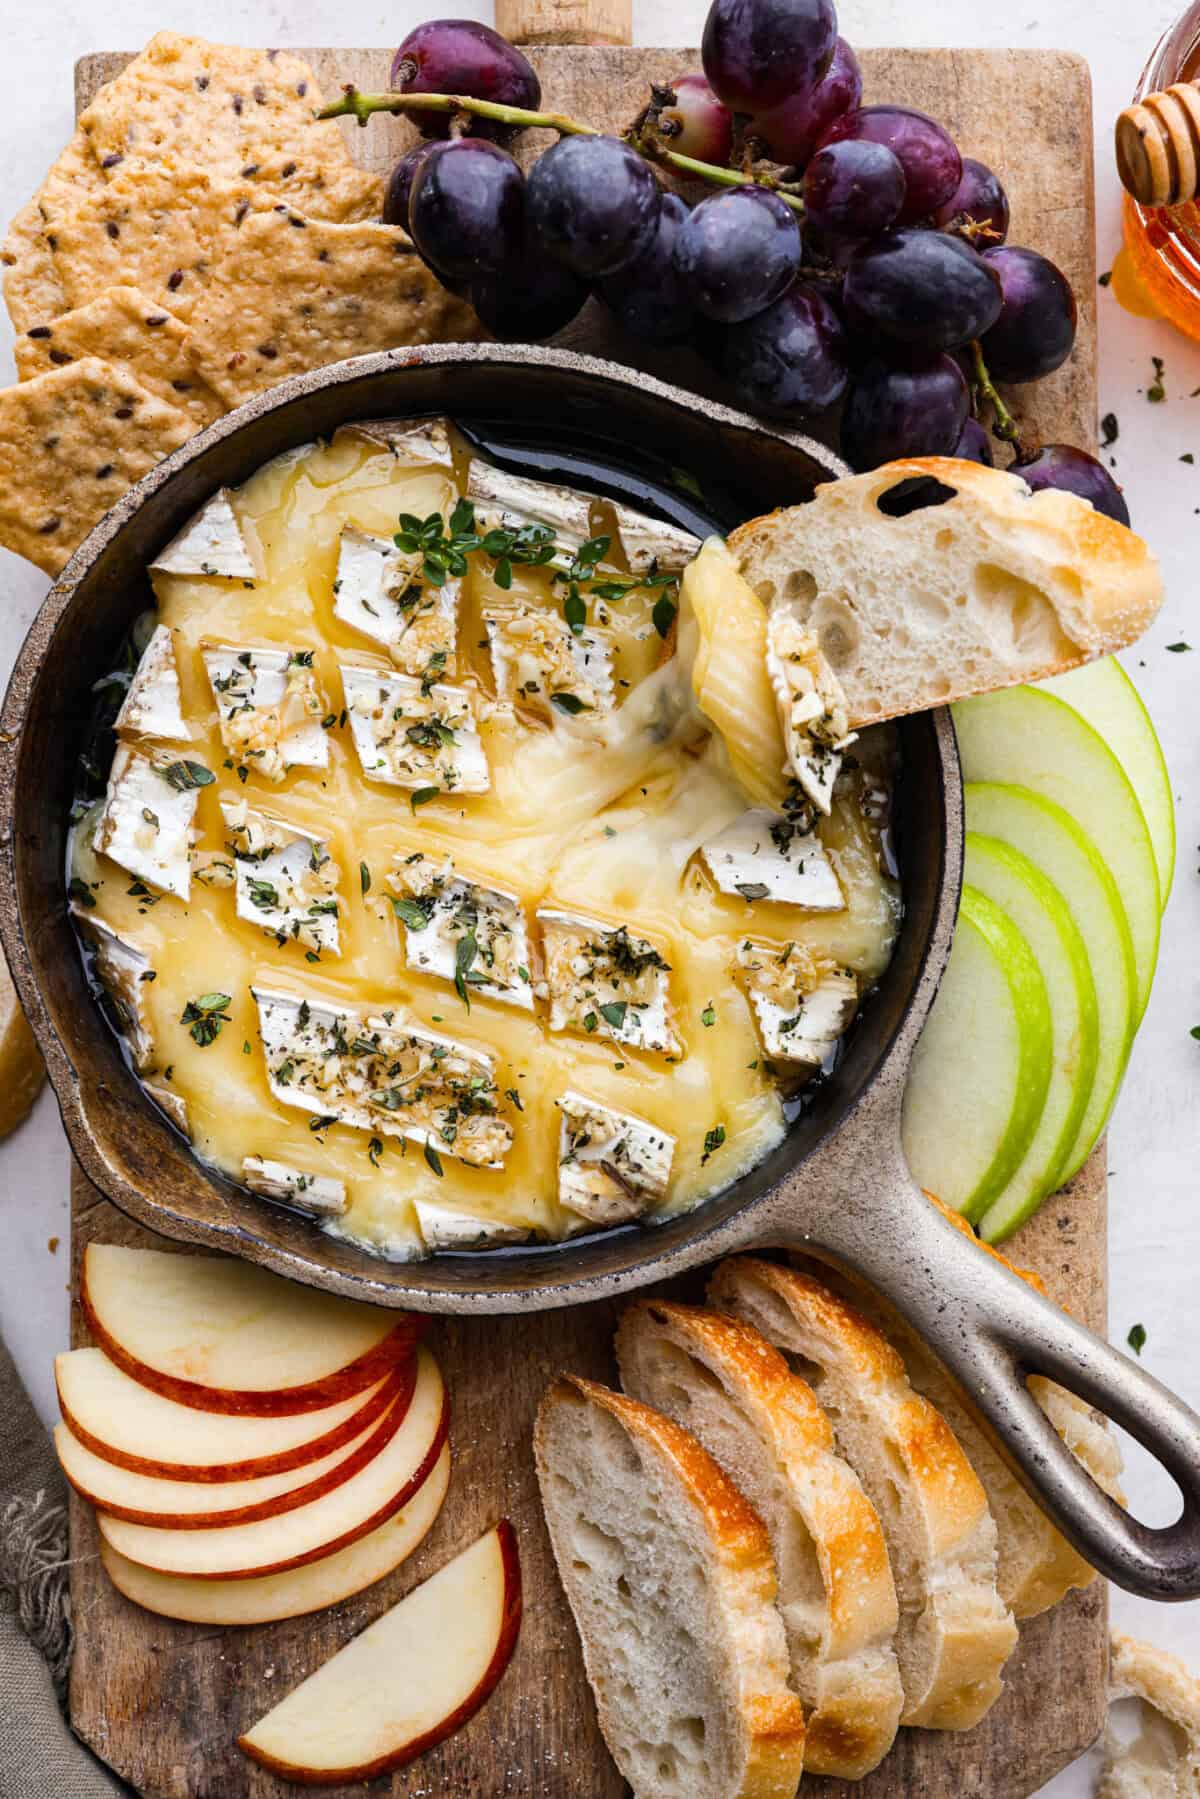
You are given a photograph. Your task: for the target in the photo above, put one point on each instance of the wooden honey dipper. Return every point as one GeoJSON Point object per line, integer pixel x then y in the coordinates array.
{"type": "Point", "coordinates": [1158, 146]}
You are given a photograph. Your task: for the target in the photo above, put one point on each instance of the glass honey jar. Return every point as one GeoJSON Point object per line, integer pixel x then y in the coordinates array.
{"type": "Point", "coordinates": [1163, 242]}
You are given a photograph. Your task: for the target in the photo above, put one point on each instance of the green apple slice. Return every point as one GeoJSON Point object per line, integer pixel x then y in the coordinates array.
{"type": "Point", "coordinates": [981, 1070]}
{"type": "Point", "coordinates": [1103, 693]}
{"type": "Point", "coordinates": [1010, 880]}
{"type": "Point", "coordinates": [1033, 739]}
{"type": "Point", "coordinates": [1049, 837]}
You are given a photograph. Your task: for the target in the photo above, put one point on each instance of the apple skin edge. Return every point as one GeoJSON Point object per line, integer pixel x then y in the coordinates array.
{"type": "Point", "coordinates": [400, 1342]}
{"type": "Point", "coordinates": [402, 1388]}
{"type": "Point", "coordinates": [506, 1643]}
{"type": "Point", "coordinates": [220, 1472]}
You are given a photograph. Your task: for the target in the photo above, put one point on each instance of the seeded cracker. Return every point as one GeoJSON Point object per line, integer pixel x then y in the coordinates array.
{"type": "Point", "coordinates": [71, 442]}
{"type": "Point", "coordinates": [158, 229]}
{"type": "Point", "coordinates": [32, 289]}
{"type": "Point", "coordinates": [296, 293]}
{"type": "Point", "coordinates": [140, 340]}
{"type": "Point", "coordinates": [230, 110]}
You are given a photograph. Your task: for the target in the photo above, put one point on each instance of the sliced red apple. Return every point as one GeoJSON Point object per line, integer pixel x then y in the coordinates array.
{"type": "Point", "coordinates": [271, 1545]}
{"type": "Point", "coordinates": [308, 1589]}
{"type": "Point", "coordinates": [224, 1336]}
{"type": "Point", "coordinates": [123, 1422]}
{"type": "Point", "coordinates": [200, 1505]}
{"type": "Point", "coordinates": [409, 1681]}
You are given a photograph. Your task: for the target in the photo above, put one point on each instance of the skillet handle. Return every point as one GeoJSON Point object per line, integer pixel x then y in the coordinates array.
{"type": "Point", "coordinates": [991, 1330]}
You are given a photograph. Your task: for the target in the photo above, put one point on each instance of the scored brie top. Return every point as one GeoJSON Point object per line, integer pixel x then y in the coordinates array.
{"type": "Point", "coordinates": [146, 821]}
{"type": "Point", "coordinates": [413, 442]}
{"type": "Point", "coordinates": [269, 708]}
{"type": "Point", "coordinates": [459, 929]}
{"type": "Point", "coordinates": [153, 706]}
{"type": "Point", "coordinates": [381, 591]}
{"type": "Point", "coordinates": [211, 543]}
{"type": "Point", "coordinates": [812, 706]}
{"type": "Point", "coordinates": [504, 501]}
{"type": "Point", "coordinates": [611, 1165]}
{"type": "Point", "coordinates": [413, 734]}
{"type": "Point", "coordinates": [287, 882]}
{"type": "Point", "coordinates": [605, 981]}
{"type": "Point", "coordinates": [763, 855]}
{"type": "Point", "coordinates": [319, 1194]}
{"type": "Point", "coordinates": [802, 1011]}
{"type": "Point", "coordinates": [540, 665]}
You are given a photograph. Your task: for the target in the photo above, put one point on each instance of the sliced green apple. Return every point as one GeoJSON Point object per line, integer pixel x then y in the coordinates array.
{"type": "Point", "coordinates": [1051, 839]}
{"type": "Point", "coordinates": [1031, 738]}
{"type": "Point", "coordinates": [1103, 693]}
{"type": "Point", "coordinates": [1010, 880]}
{"type": "Point", "coordinates": [981, 1071]}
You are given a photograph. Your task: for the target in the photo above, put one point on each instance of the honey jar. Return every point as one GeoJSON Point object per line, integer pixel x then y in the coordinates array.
{"type": "Point", "coordinates": [1163, 242]}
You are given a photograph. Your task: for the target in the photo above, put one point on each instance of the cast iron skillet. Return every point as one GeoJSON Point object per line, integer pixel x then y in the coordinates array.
{"type": "Point", "coordinates": [837, 1186]}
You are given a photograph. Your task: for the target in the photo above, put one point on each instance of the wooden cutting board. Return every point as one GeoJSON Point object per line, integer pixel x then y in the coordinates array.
{"type": "Point", "coordinates": [162, 1702]}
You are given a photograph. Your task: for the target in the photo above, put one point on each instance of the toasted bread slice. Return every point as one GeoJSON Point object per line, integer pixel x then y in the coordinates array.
{"type": "Point", "coordinates": [669, 1574]}
{"type": "Point", "coordinates": [1163, 1760]}
{"type": "Point", "coordinates": [994, 586]}
{"type": "Point", "coordinates": [724, 1382]}
{"type": "Point", "coordinates": [954, 1634]}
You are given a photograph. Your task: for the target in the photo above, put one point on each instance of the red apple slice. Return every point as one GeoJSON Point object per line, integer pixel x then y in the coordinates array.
{"type": "Point", "coordinates": [200, 1505]}
{"type": "Point", "coordinates": [221, 1335]}
{"type": "Point", "coordinates": [123, 1422]}
{"type": "Point", "coordinates": [360, 1504]}
{"type": "Point", "coordinates": [308, 1589]}
{"type": "Point", "coordinates": [409, 1681]}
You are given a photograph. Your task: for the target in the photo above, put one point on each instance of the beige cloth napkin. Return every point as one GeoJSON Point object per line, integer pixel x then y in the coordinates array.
{"type": "Point", "coordinates": [39, 1757]}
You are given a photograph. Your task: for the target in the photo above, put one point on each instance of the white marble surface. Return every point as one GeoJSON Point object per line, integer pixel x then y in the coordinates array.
{"type": "Point", "coordinates": [1155, 1137]}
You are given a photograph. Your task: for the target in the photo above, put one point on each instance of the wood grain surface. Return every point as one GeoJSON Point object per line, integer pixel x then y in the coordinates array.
{"type": "Point", "coordinates": [162, 1702]}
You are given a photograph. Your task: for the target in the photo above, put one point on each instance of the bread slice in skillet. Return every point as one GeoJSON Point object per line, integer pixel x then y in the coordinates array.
{"type": "Point", "coordinates": [955, 1634]}
{"type": "Point", "coordinates": [669, 1574]}
{"type": "Point", "coordinates": [725, 1383]}
{"type": "Point", "coordinates": [915, 605]}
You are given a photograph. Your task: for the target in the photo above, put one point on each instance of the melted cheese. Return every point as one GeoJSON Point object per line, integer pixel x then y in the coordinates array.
{"type": "Point", "coordinates": [601, 815]}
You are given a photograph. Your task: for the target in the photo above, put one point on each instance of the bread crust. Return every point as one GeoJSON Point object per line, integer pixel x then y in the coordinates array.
{"type": "Point", "coordinates": [1100, 581]}
{"type": "Point", "coordinates": [737, 1546]}
{"type": "Point", "coordinates": [1163, 1761]}
{"type": "Point", "coordinates": [852, 1671]}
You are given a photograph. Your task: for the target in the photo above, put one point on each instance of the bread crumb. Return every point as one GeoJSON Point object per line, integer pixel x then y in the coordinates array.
{"type": "Point", "coordinates": [52, 1245]}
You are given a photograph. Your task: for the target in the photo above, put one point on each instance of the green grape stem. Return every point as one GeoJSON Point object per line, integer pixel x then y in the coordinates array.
{"type": "Point", "coordinates": [356, 105]}
{"type": "Point", "coordinates": [1004, 425]}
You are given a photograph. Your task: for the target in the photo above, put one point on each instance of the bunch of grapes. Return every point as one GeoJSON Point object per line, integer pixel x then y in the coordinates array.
{"type": "Point", "coordinates": [849, 273]}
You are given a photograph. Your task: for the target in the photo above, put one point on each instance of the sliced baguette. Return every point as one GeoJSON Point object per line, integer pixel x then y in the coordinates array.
{"type": "Point", "coordinates": [724, 1382]}
{"type": "Point", "coordinates": [1163, 1760]}
{"type": "Point", "coordinates": [954, 1634]}
{"type": "Point", "coordinates": [669, 1574]}
{"type": "Point", "coordinates": [993, 587]}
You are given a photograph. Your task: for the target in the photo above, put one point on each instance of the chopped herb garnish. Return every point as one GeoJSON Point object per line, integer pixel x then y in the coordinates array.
{"type": "Point", "coordinates": [464, 957]}
{"type": "Point", "coordinates": [375, 1150]}
{"type": "Point", "coordinates": [81, 893]}
{"type": "Point", "coordinates": [1177, 649]}
{"type": "Point", "coordinates": [1110, 429]}
{"type": "Point", "coordinates": [1188, 456]}
{"type": "Point", "coordinates": [364, 877]}
{"type": "Point", "coordinates": [613, 1013]}
{"type": "Point", "coordinates": [511, 1093]}
{"type": "Point", "coordinates": [712, 1142]}
{"type": "Point", "coordinates": [575, 609]}
{"type": "Point", "coordinates": [709, 1016]}
{"type": "Point", "coordinates": [422, 796]}
{"type": "Point", "coordinates": [264, 895]}
{"type": "Point", "coordinates": [414, 914]}
{"type": "Point", "coordinates": [570, 703]}
{"type": "Point", "coordinates": [1137, 1338]}
{"type": "Point", "coordinates": [590, 1021]}
{"type": "Point", "coordinates": [664, 615]}
{"type": "Point", "coordinates": [205, 1016]}
{"type": "Point", "coordinates": [434, 1160]}
{"type": "Point", "coordinates": [184, 775]}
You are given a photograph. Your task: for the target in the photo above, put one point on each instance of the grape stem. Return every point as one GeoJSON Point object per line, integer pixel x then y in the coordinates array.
{"type": "Point", "coordinates": [360, 106]}
{"type": "Point", "coordinates": [1003, 424]}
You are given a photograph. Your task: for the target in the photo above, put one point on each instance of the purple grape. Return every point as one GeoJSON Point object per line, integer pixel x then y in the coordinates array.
{"type": "Point", "coordinates": [649, 296]}
{"type": "Point", "coordinates": [593, 204]}
{"type": "Point", "coordinates": [853, 189]}
{"type": "Point", "coordinates": [923, 288]}
{"type": "Point", "coordinates": [1074, 471]}
{"type": "Point", "coordinates": [1035, 332]}
{"type": "Point", "coordinates": [914, 407]}
{"type": "Point", "coordinates": [737, 252]}
{"type": "Point", "coordinates": [793, 129]}
{"type": "Point", "coordinates": [926, 152]}
{"type": "Point", "coordinates": [974, 445]}
{"type": "Point", "coordinates": [978, 208]}
{"type": "Point", "coordinates": [399, 188]}
{"type": "Point", "coordinates": [697, 125]}
{"type": "Point", "coordinates": [529, 298]}
{"type": "Point", "coordinates": [458, 56]}
{"type": "Point", "coordinates": [466, 211]}
{"type": "Point", "coordinates": [757, 52]}
{"type": "Point", "coordinates": [788, 361]}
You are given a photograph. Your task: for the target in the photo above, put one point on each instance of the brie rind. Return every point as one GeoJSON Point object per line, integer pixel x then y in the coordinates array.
{"type": "Point", "coordinates": [121, 966]}
{"type": "Point", "coordinates": [604, 981]}
{"type": "Point", "coordinates": [415, 443]}
{"type": "Point", "coordinates": [379, 590]}
{"type": "Point", "coordinates": [384, 1075]}
{"type": "Point", "coordinates": [286, 881]}
{"type": "Point", "coordinates": [538, 661]}
{"type": "Point", "coordinates": [409, 737]}
{"type": "Point", "coordinates": [319, 1194]}
{"type": "Point", "coordinates": [211, 543]}
{"type": "Point", "coordinates": [153, 707]}
{"type": "Point", "coordinates": [611, 1165]}
{"type": "Point", "coordinates": [146, 821]}
{"type": "Point", "coordinates": [173, 1104]}
{"type": "Point", "coordinates": [797, 1025]}
{"type": "Point", "coordinates": [509, 502]}
{"type": "Point", "coordinates": [453, 907]}
{"type": "Point", "coordinates": [443, 1229]}
{"type": "Point", "coordinates": [762, 856]}
{"type": "Point", "coordinates": [812, 707]}
{"type": "Point", "coordinates": [269, 708]}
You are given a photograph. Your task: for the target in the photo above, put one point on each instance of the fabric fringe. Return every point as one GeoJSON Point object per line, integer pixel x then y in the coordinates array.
{"type": "Point", "coordinates": [33, 1579]}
